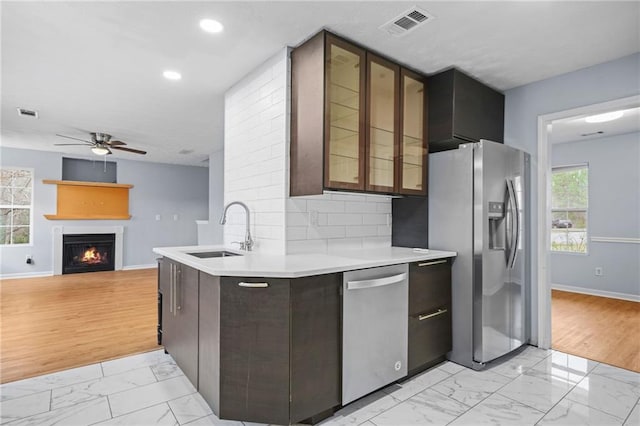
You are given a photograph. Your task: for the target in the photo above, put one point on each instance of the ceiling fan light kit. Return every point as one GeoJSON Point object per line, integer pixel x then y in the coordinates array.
{"type": "Point", "coordinates": [99, 150]}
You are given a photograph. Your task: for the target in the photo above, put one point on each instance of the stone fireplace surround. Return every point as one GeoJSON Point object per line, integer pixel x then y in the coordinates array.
{"type": "Point", "coordinates": [59, 231]}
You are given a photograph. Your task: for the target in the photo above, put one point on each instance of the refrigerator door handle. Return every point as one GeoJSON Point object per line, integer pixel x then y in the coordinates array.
{"type": "Point", "coordinates": [515, 228]}
{"type": "Point", "coordinates": [508, 226]}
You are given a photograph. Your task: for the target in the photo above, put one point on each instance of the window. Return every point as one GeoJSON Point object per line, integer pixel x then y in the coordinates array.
{"type": "Point", "coordinates": [569, 206]}
{"type": "Point", "coordinates": [16, 199]}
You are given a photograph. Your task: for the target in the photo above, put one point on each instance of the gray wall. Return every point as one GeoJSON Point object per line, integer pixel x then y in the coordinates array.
{"type": "Point", "coordinates": [158, 189]}
{"type": "Point", "coordinates": [600, 83]}
{"type": "Point", "coordinates": [614, 211]}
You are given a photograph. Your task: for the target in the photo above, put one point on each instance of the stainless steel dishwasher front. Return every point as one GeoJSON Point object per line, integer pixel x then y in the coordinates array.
{"type": "Point", "coordinates": [375, 313]}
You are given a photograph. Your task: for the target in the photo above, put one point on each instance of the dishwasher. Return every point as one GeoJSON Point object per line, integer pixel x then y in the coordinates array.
{"type": "Point", "coordinates": [375, 313]}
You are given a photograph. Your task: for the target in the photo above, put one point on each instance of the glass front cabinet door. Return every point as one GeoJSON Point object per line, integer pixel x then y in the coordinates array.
{"type": "Point", "coordinates": [382, 124]}
{"type": "Point", "coordinates": [413, 147]}
{"type": "Point", "coordinates": [344, 115]}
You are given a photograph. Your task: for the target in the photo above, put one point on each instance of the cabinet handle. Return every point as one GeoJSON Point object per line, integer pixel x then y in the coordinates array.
{"type": "Point", "coordinates": [171, 280]}
{"type": "Point", "coordinates": [178, 289]}
{"type": "Point", "coordinates": [173, 287]}
{"type": "Point", "coordinates": [431, 315]}
{"type": "Point", "coordinates": [435, 262]}
{"type": "Point", "coordinates": [253, 285]}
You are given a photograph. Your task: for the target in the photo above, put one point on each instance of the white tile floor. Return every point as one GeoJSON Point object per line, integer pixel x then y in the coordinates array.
{"type": "Point", "coordinates": [534, 387]}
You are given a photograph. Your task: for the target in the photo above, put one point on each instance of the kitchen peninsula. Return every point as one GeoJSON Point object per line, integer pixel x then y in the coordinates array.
{"type": "Point", "coordinates": [261, 336]}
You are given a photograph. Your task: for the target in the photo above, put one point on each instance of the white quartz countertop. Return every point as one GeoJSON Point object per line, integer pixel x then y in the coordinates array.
{"type": "Point", "coordinates": [256, 264]}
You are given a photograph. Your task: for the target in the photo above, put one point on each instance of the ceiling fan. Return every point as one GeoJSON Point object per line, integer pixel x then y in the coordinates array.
{"type": "Point", "coordinates": [101, 144]}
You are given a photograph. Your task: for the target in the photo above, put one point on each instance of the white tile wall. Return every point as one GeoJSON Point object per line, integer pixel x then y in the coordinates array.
{"type": "Point", "coordinates": [256, 171]}
{"type": "Point", "coordinates": [255, 149]}
{"type": "Point", "coordinates": [335, 221]}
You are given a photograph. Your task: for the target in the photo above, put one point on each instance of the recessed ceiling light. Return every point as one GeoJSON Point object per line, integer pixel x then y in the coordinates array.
{"type": "Point", "coordinates": [601, 118]}
{"type": "Point", "coordinates": [172, 75]}
{"type": "Point", "coordinates": [211, 26]}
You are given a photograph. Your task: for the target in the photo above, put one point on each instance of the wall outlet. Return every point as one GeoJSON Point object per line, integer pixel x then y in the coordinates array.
{"type": "Point", "coordinates": [313, 217]}
{"type": "Point", "coordinates": [158, 217]}
{"type": "Point", "coordinates": [29, 259]}
{"type": "Point", "coordinates": [599, 271]}
{"type": "Point", "coordinates": [175, 217]}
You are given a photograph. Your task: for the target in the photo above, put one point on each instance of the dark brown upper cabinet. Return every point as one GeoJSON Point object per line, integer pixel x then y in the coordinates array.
{"type": "Point", "coordinates": [461, 110]}
{"type": "Point", "coordinates": [357, 121]}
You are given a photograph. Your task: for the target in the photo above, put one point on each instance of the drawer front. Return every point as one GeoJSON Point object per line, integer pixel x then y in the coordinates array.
{"type": "Point", "coordinates": [429, 285]}
{"type": "Point", "coordinates": [429, 337]}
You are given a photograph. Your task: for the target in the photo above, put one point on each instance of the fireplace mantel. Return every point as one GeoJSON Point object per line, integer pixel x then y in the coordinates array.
{"type": "Point", "coordinates": [78, 200]}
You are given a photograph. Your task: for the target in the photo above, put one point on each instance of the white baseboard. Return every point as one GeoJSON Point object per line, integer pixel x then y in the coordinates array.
{"type": "Point", "coordinates": [592, 292]}
{"type": "Point", "coordinates": [26, 275]}
{"type": "Point", "coordinates": [148, 266]}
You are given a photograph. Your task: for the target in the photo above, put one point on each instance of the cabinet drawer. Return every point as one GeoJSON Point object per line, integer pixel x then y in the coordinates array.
{"type": "Point", "coordinates": [429, 285]}
{"type": "Point", "coordinates": [429, 338]}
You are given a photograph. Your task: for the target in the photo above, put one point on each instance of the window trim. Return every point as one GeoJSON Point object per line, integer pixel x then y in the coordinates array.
{"type": "Point", "coordinates": [566, 168]}
{"type": "Point", "coordinates": [31, 205]}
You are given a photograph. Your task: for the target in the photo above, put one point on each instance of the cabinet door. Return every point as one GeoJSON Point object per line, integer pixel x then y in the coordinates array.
{"type": "Point", "coordinates": [180, 336]}
{"type": "Point", "coordinates": [315, 345]}
{"type": "Point", "coordinates": [413, 145]}
{"type": "Point", "coordinates": [382, 124]}
{"type": "Point", "coordinates": [254, 350]}
{"type": "Point", "coordinates": [344, 115]}
{"type": "Point", "coordinates": [478, 110]}
{"type": "Point", "coordinates": [208, 341]}
{"type": "Point", "coordinates": [165, 288]}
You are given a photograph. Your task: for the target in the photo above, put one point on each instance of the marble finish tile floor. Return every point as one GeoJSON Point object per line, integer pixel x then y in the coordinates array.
{"type": "Point", "coordinates": [532, 387]}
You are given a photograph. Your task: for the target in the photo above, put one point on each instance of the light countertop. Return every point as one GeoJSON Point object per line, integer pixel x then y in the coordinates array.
{"type": "Point", "coordinates": [256, 264]}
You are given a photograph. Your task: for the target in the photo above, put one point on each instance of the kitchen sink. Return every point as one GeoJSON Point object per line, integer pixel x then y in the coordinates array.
{"type": "Point", "coordinates": [208, 254]}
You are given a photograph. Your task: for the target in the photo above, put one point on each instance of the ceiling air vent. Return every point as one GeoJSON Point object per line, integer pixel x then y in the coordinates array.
{"type": "Point", "coordinates": [408, 21]}
{"type": "Point", "coordinates": [600, 132]}
{"type": "Point", "coordinates": [27, 113]}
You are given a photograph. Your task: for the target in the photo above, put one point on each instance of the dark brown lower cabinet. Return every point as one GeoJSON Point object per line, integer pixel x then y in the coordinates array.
{"type": "Point", "coordinates": [316, 358]}
{"type": "Point", "coordinates": [209, 340]}
{"type": "Point", "coordinates": [179, 287]}
{"type": "Point", "coordinates": [429, 313]}
{"type": "Point", "coordinates": [254, 350]}
{"type": "Point", "coordinates": [278, 346]}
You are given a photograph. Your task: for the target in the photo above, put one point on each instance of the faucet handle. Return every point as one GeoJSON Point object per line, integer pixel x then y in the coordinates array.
{"type": "Point", "coordinates": [243, 245]}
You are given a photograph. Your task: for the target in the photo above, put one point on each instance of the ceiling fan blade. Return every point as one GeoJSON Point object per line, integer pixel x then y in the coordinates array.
{"type": "Point", "coordinates": [70, 144]}
{"type": "Point", "coordinates": [135, 151]}
{"type": "Point", "coordinates": [114, 143]}
{"type": "Point", "coordinates": [69, 137]}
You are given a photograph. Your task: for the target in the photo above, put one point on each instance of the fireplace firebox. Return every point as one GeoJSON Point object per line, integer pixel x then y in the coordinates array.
{"type": "Point", "coordinates": [88, 253]}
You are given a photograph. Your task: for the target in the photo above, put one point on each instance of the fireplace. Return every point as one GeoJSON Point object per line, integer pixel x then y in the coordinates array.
{"type": "Point", "coordinates": [88, 253]}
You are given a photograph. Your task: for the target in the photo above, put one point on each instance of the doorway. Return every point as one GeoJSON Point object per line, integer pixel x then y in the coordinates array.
{"type": "Point", "coordinates": [583, 238]}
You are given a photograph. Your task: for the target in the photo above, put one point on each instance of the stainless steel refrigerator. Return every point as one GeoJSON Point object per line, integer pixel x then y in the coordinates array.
{"type": "Point", "coordinates": [478, 207]}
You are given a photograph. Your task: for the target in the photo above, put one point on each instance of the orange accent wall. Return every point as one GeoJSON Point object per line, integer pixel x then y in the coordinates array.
{"type": "Point", "coordinates": [91, 200]}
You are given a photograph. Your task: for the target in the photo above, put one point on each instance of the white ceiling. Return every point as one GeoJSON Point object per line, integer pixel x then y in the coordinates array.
{"type": "Point", "coordinates": [97, 66]}
{"type": "Point", "coordinates": [575, 129]}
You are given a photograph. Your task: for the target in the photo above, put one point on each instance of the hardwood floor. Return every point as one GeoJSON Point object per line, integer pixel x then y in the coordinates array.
{"type": "Point", "coordinates": [597, 328]}
{"type": "Point", "coordinates": [54, 323]}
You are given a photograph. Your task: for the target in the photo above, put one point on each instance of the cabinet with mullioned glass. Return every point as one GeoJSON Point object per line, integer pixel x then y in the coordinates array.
{"type": "Point", "coordinates": [357, 121]}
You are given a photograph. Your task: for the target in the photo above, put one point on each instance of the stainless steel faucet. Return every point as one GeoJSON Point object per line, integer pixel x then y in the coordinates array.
{"type": "Point", "coordinates": [248, 242]}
